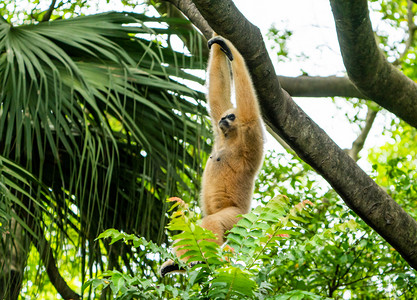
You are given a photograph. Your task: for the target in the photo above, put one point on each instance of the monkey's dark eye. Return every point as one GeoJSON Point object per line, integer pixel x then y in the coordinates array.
{"type": "Point", "coordinates": [231, 117]}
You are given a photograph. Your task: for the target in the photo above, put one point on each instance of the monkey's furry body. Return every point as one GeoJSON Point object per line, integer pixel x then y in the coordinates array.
{"type": "Point", "coordinates": [229, 175]}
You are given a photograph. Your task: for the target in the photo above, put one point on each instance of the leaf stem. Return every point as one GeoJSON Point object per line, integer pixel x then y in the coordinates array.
{"type": "Point", "coordinates": [263, 248]}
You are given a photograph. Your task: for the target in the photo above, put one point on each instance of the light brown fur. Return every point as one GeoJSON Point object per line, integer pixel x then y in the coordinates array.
{"type": "Point", "coordinates": [229, 175]}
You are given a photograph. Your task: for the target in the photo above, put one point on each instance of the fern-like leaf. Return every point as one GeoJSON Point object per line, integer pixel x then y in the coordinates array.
{"type": "Point", "coordinates": [264, 226]}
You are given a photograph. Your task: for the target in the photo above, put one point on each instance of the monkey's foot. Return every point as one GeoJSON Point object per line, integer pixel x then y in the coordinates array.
{"type": "Point", "coordinates": [223, 46]}
{"type": "Point", "coordinates": [171, 267]}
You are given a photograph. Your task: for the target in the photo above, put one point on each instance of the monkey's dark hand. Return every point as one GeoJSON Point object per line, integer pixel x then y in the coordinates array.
{"type": "Point", "coordinates": [223, 46]}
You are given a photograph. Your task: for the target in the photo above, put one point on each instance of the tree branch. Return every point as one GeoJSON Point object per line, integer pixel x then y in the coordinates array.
{"type": "Point", "coordinates": [332, 86]}
{"type": "Point", "coordinates": [411, 32]}
{"type": "Point", "coordinates": [358, 144]}
{"type": "Point", "coordinates": [366, 65]}
{"type": "Point", "coordinates": [307, 139]}
{"type": "Point", "coordinates": [279, 139]}
{"type": "Point", "coordinates": [47, 256]}
{"type": "Point", "coordinates": [48, 14]}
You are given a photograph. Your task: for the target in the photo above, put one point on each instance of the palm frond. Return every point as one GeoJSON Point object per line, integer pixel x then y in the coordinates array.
{"type": "Point", "coordinates": [91, 110]}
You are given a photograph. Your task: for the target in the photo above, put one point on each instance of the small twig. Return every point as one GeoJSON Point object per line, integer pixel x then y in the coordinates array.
{"type": "Point", "coordinates": [358, 144]}
{"type": "Point", "coordinates": [3, 20]}
{"type": "Point", "coordinates": [411, 32]}
{"type": "Point", "coordinates": [263, 248]}
{"type": "Point", "coordinates": [279, 139]}
{"type": "Point", "coordinates": [48, 14]}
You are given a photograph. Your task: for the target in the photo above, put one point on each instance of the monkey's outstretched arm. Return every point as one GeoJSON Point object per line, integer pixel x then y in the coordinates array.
{"type": "Point", "coordinates": [219, 84]}
{"type": "Point", "coordinates": [246, 100]}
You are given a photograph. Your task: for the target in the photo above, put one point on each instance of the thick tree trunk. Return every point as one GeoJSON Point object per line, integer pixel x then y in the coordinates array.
{"type": "Point", "coordinates": [309, 141]}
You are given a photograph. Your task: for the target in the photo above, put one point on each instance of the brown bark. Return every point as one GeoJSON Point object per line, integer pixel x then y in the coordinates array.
{"type": "Point", "coordinates": [48, 14]}
{"type": "Point", "coordinates": [366, 65]}
{"type": "Point", "coordinates": [307, 139]}
{"type": "Point", "coordinates": [309, 86]}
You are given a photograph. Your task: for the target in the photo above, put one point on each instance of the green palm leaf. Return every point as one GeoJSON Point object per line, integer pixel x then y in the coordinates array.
{"type": "Point", "coordinates": [90, 109]}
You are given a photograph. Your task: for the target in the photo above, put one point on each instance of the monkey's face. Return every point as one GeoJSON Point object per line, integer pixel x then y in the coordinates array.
{"type": "Point", "coordinates": [228, 124]}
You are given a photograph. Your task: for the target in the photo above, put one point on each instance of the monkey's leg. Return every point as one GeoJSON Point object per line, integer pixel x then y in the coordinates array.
{"type": "Point", "coordinates": [222, 221]}
{"type": "Point", "coordinates": [171, 266]}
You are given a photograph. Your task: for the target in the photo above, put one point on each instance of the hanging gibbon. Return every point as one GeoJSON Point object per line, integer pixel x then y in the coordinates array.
{"type": "Point", "coordinates": [237, 154]}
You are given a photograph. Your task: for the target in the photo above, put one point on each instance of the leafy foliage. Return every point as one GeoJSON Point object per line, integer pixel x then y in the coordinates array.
{"type": "Point", "coordinates": [394, 165]}
{"type": "Point", "coordinates": [94, 125]}
{"type": "Point", "coordinates": [279, 39]}
{"type": "Point", "coordinates": [337, 263]}
{"type": "Point", "coordinates": [228, 272]}
{"type": "Point", "coordinates": [96, 131]}
{"type": "Point", "coordinates": [284, 249]}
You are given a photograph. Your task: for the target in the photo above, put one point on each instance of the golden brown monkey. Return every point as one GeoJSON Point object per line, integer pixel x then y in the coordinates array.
{"type": "Point", "coordinates": [237, 154]}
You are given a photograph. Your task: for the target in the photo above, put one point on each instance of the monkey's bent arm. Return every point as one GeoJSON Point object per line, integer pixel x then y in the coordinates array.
{"type": "Point", "coordinates": [219, 84]}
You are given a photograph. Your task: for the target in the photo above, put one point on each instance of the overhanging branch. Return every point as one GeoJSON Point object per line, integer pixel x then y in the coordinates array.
{"type": "Point", "coordinates": [167, 7]}
{"type": "Point", "coordinates": [366, 65]}
{"type": "Point", "coordinates": [309, 141]}
{"type": "Point", "coordinates": [412, 28]}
